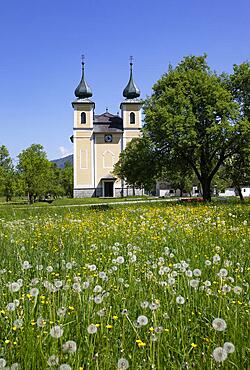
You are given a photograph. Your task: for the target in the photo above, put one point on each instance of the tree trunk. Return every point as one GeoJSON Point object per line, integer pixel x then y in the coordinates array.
{"type": "Point", "coordinates": [206, 189]}
{"type": "Point", "coordinates": [240, 193]}
{"type": "Point", "coordinates": [31, 198]}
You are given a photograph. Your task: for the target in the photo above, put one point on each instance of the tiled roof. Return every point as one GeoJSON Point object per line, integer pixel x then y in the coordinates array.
{"type": "Point", "coordinates": [107, 122]}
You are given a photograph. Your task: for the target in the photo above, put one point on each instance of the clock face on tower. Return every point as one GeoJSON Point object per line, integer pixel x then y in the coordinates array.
{"type": "Point", "coordinates": [108, 138]}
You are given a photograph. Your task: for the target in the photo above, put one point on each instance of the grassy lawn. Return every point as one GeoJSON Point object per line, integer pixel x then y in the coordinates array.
{"type": "Point", "coordinates": [142, 286]}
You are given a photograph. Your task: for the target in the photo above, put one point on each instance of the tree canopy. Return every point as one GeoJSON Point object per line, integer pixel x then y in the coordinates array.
{"type": "Point", "coordinates": [193, 115]}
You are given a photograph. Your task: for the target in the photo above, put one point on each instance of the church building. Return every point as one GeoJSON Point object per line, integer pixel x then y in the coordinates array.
{"type": "Point", "coordinates": [99, 139]}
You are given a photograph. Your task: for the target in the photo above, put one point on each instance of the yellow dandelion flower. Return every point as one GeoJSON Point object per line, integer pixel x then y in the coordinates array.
{"type": "Point", "coordinates": [115, 317]}
{"type": "Point", "coordinates": [193, 345]}
{"type": "Point", "coordinates": [109, 326]}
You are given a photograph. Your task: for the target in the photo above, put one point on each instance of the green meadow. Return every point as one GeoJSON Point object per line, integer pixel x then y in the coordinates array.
{"type": "Point", "coordinates": [141, 286]}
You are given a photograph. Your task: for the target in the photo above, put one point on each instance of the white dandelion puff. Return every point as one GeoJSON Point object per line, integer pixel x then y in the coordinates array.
{"type": "Point", "coordinates": [197, 272]}
{"type": "Point", "coordinates": [237, 290]}
{"type": "Point", "coordinates": [18, 323]}
{"type": "Point", "coordinates": [180, 300]}
{"type": "Point", "coordinates": [49, 269]}
{"type": "Point", "coordinates": [142, 320]}
{"type": "Point", "coordinates": [14, 287]}
{"type": "Point", "coordinates": [92, 329]}
{"type": "Point", "coordinates": [2, 363]}
{"type": "Point", "coordinates": [65, 367]}
{"type": "Point", "coordinates": [122, 364]}
{"type": "Point", "coordinates": [61, 312]}
{"type": "Point", "coordinates": [144, 304]}
{"type": "Point", "coordinates": [120, 260]}
{"type": "Point", "coordinates": [194, 283]}
{"type": "Point", "coordinates": [219, 324]}
{"type": "Point", "coordinates": [69, 265]}
{"type": "Point", "coordinates": [15, 366]}
{"type": "Point", "coordinates": [40, 322]}
{"type": "Point", "coordinates": [53, 360]}
{"type": "Point", "coordinates": [223, 273]}
{"type": "Point", "coordinates": [229, 347]}
{"type": "Point", "coordinates": [56, 331]}
{"type": "Point", "coordinates": [11, 306]}
{"type": "Point", "coordinates": [69, 346]}
{"type": "Point", "coordinates": [216, 258]}
{"type": "Point", "coordinates": [34, 292]}
{"type": "Point", "coordinates": [219, 354]}
{"type": "Point", "coordinates": [98, 299]}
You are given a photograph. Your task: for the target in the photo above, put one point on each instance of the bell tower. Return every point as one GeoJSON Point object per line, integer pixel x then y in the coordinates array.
{"type": "Point", "coordinates": [83, 139]}
{"type": "Point", "coordinates": [131, 109]}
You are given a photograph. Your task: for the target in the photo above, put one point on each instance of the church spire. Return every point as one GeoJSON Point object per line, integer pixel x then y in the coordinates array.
{"type": "Point", "coordinates": [83, 90]}
{"type": "Point", "coordinates": [131, 91]}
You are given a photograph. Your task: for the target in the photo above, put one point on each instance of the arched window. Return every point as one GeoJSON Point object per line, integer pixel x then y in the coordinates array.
{"type": "Point", "coordinates": [83, 117]}
{"type": "Point", "coordinates": [132, 117]}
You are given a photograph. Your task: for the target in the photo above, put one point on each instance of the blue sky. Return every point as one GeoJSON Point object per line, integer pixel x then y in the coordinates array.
{"type": "Point", "coordinates": [41, 43]}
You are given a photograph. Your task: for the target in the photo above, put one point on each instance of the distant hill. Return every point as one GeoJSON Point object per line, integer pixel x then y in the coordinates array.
{"type": "Point", "coordinates": [60, 163]}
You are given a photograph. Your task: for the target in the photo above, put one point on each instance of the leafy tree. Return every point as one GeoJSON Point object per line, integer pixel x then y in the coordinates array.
{"type": "Point", "coordinates": [66, 179]}
{"type": "Point", "coordinates": [179, 175]}
{"type": "Point", "coordinates": [236, 170]}
{"type": "Point", "coordinates": [192, 115]}
{"type": "Point", "coordinates": [35, 171]}
{"type": "Point", "coordinates": [138, 164]}
{"type": "Point", "coordinates": [240, 86]}
{"type": "Point", "coordinates": [7, 174]}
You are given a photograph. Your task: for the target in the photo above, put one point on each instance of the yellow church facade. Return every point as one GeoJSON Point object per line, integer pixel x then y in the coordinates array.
{"type": "Point", "coordinates": [99, 139]}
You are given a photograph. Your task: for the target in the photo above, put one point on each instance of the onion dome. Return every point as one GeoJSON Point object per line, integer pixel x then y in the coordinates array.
{"type": "Point", "coordinates": [83, 90]}
{"type": "Point", "coordinates": [131, 91]}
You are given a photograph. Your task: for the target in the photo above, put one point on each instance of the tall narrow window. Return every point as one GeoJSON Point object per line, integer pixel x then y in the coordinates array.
{"type": "Point", "coordinates": [132, 117]}
{"type": "Point", "coordinates": [83, 117]}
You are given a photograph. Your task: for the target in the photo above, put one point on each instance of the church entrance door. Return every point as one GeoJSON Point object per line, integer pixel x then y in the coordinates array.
{"type": "Point", "coordinates": [108, 189]}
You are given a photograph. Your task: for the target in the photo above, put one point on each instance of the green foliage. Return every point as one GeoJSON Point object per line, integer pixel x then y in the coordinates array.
{"type": "Point", "coordinates": [66, 179]}
{"type": "Point", "coordinates": [193, 115]}
{"type": "Point", "coordinates": [7, 174]}
{"type": "Point", "coordinates": [36, 172]}
{"type": "Point", "coordinates": [240, 85]}
{"type": "Point", "coordinates": [138, 163]}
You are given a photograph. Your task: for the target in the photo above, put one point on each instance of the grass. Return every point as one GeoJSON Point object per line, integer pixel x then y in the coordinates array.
{"type": "Point", "coordinates": [107, 268]}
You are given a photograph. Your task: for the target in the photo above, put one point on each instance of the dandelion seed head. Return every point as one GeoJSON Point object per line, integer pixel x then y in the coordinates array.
{"type": "Point", "coordinates": [237, 290]}
{"type": "Point", "coordinates": [34, 292]}
{"type": "Point", "coordinates": [180, 300]}
{"type": "Point", "coordinates": [229, 347]}
{"type": "Point", "coordinates": [92, 329]}
{"type": "Point", "coordinates": [219, 354]}
{"type": "Point", "coordinates": [142, 320]}
{"type": "Point", "coordinates": [14, 287]}
{"type": "Point", "coordinates": [2, 363]}
{"type": "Point", "coordinates": [53, 360]}
{"type": "Point", "coordinates": [219, 324]}
{"type": "Point", "coordinates": [69, 346]}
{"type": "Point", "coordinates": [197, 272]}
{"type": "Point", "coordinates": [65, 367]}
{"type": "Point", "coordinates": [122, 364]}
{"type": "Point", "coordinates": [56, 331]}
